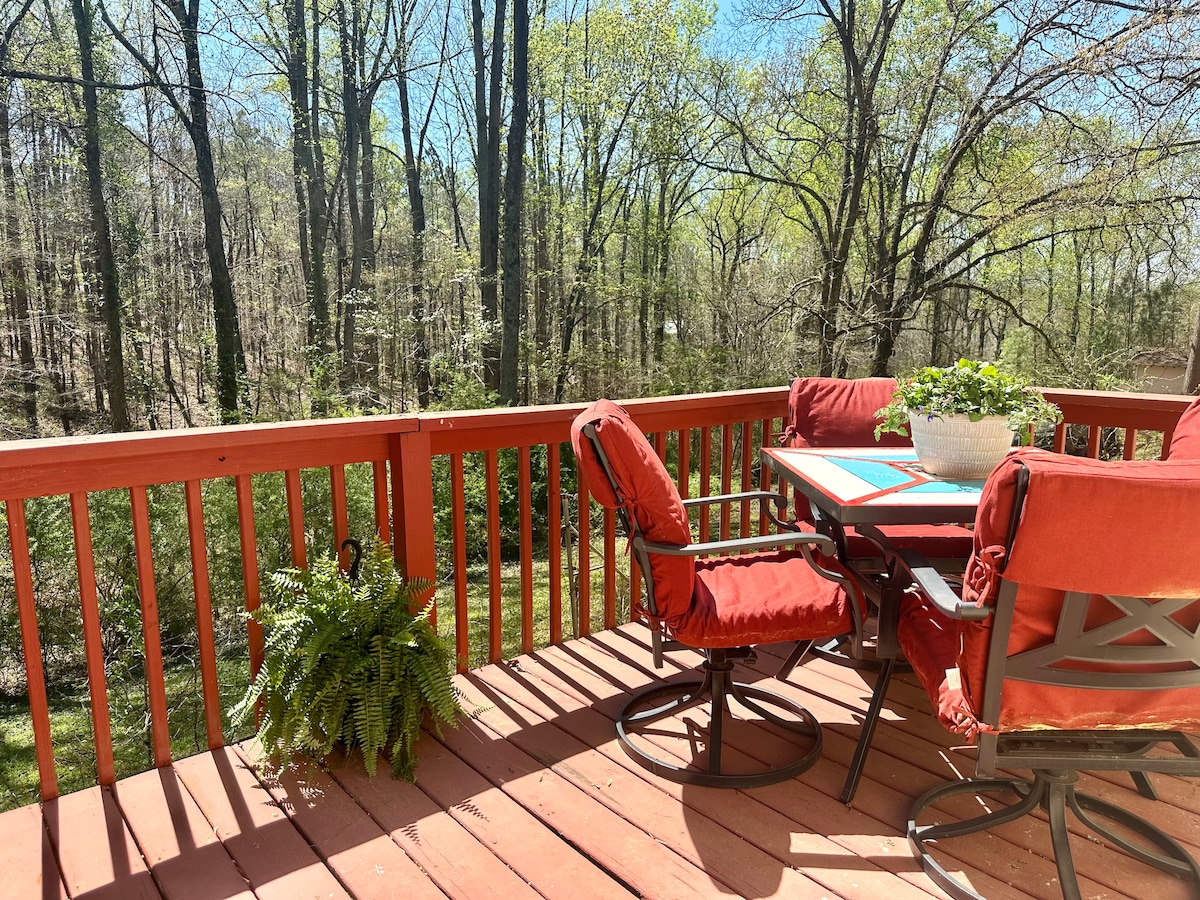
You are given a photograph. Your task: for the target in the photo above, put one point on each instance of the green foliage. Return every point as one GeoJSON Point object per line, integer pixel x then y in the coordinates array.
{"type": "Point", "coordinates": [971, 388]}
{"type": "Point", "coordinates": [346, 661]}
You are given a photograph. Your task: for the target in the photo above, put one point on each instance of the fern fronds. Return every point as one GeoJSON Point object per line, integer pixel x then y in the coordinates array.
{"type": "Point", "coordinates": [348, 662]}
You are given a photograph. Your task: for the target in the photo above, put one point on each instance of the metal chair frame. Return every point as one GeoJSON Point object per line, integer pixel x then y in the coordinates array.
{"type": "Point", "coordinates": [717, 686]}
{"type": "Point", "coordinates": [1056, 757]}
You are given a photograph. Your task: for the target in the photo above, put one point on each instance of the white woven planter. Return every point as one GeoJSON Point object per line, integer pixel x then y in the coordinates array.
{"type": "Point", "coordinates": [953, 446]}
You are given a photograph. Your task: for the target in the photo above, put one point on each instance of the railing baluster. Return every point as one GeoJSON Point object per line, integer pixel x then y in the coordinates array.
{"type": "Point", "coordinates": [585, 559]}
{"type": "Point", "coordinates": [683, 448]}
{"type": "Point", "coordinates": [1093, 445]}
{"type": "Point", "coordinates": [1130, 448]}
{"type": "Point", "coordinates": [1168, 436]}
{"type": "Point", "coordinates": [726, 476]}
{"type": "Point", "coordinates": [525, 529]}
{"type": "Point", "coordinates": [705, 478]}
{"type": "Point", "coordinates": [495, 598]}
{"type": "Point", "coordinates": [93, 641]}
{"type": "Point", "coordinates": [764, 475]}
{"type": "Point", "coordinates": [747, 478]}
{"type": "Point", "coordinates": [204, 624]}
{"type": "Point", "coordinates": [341, 515]}
{"type": "Point", "coordinates": [295, 508]}
{"type": "Point", "coordinates": [155, 681]}
{"type": "Point", "coordinates": [458, 536]}
{"type": "Point", "coordinates": [610, 568]}
{"type": "Point", "coordinates": [554, 514]}
{"type": "Point", "coordinates": [35, 677]}
{"type": "Point", "coordinates": [379, 484]}
{"type": "Point", "coordinates": [249, 546]}
{"type": "Point", "coordinates": [1060, 437]}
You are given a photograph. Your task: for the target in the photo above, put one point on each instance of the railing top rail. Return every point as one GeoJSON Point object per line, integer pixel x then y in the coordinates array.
{"type": "Point", "coordinates": [48, 466]}
{"type": "Point", "coordinates": [36, 468]}
{"type": "Point", "coordinates": [1150, 412]}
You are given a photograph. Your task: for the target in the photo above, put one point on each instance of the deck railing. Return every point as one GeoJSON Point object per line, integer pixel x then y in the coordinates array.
{"type": "Point", "coordinates": [705, 438]}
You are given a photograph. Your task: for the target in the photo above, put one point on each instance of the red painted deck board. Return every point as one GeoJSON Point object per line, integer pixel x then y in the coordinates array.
{"type": "Point", "coordinates": [95, 850]}
{"type": "Point", "coordinates": [185, 855]}
{"type": "Point", "coordinates": [351, 844]}
{"type": "Point", "coordinates": [458, 864]}
{"type": "Point", "coordinates": [26, 858]}
{"type": "Point", "coordinates": [532, 797]}
{"type": "Point", "coordinates": [273, 855]}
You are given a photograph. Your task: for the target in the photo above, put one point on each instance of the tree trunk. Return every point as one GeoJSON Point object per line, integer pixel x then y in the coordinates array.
{"type": "Point", "coordinates": [514, 201]}
{"type": "Point", "coordinates": [103, 260]}
{"type": "Point", "coordinates": [1191, 378]}
{"type": "Point", "coordinates": [487, 168]}
{"type": "Point", "coordinates": [18, 274]}
{"type": "Point", "coordinates": [416, 205]}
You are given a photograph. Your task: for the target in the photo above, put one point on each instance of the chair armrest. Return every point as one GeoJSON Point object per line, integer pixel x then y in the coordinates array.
{"type": "Point", "coordinates": [934, 586]}
{"type": "Point", "coordinates": [779, 500]}
{"type": "Point", "coordinates": [761, 542]}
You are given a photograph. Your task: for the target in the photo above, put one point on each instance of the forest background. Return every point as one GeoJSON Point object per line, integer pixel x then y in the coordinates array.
{"type": "Point", "coordinates": [239, 210]}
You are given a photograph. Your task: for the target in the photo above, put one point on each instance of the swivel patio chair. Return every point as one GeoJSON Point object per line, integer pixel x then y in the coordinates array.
{"type": "Point", "coordinates": [1073, 647]}
{"type": "Point", "coordinates": [720, 605]}
{"type": "Point", "coordinates": [840, 412]}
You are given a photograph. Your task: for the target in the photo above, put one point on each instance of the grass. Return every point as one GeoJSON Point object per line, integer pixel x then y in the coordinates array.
{"type": "Point", "coordinates": [72, 736]}
{"type": "Point", "coordinates": [70, 707]}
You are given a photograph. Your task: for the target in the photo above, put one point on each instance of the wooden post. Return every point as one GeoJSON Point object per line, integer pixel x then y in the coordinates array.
{"type": "Point", "coordinates": [411, 459]}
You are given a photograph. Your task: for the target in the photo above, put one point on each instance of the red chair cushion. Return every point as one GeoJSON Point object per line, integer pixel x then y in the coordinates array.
{"type": "Point", "coordinates": [1185, 444]}
{"type": "Point", "coordinates": [647, 492]}
{"type": "Point", "coordinates": [760, 598]}
{"type": "Point", "coordinates": [1097, 528]}
{"type": "Point", "coordinates": [931, 541]}
{"type": "Point", "coordinates": [839, 412]}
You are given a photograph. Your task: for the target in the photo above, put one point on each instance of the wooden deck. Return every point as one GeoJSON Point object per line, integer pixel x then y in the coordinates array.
{"type": "Point", "coordinates": [533, 797]}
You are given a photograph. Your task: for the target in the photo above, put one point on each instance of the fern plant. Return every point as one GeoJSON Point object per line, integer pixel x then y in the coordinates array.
{"type": "Point", "coordinates": [345, 660]}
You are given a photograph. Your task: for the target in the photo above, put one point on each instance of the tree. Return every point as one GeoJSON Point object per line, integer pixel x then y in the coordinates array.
{"type": "Point", "coordinates": [489, 72]}
{"type": "Point", "coordinates": [185, 17]}
{"type": "Point", "coordinates": [104, 263]}
{"type": "Point", "coordinates": [514, 203]}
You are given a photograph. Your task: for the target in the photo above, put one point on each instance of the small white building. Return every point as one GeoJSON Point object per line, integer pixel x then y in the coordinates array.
{"type": "Point", "coordinates": [1160, 371]}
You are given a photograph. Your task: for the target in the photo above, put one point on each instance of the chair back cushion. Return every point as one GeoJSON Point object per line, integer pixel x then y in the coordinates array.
{"type": "Point", "coordinates": [839, 412]}
{"type": "Point", "coordinates": [1185, 444]}
{"type": "Point", "coordinates": [1098, 530]}
{"type": "Point", "coordinates": [641, 485]}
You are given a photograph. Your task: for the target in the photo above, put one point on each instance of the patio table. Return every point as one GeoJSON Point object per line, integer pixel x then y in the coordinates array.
{"type": "Point", "coordinates": [873, 486]}
{"type": "Point", "coordinates": [869, 487]}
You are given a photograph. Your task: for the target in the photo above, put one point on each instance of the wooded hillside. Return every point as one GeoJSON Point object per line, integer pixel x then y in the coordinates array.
{"type": "Point", "coordinates": [239, 210]}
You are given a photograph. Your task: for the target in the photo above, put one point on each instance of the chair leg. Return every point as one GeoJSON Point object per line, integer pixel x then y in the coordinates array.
{"type": "Point", "coordinates": [715, 689]}
{"type": "Point", "coordinates": [867, 732]}
{"type": "Point", "coordinates": [794, 659]}
{"type": "Point", "coordinates": [1055, 792]}
{"type": "Point", "coordinates": [1144, 785]}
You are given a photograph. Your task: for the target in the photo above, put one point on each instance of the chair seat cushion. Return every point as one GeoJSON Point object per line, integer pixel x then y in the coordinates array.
{"type": "Point", "coordinates": [931, 541]}
{"type": "Point", "coordinates": [930, 644]}
{"type": "Point", "coordinates": [760, 598]}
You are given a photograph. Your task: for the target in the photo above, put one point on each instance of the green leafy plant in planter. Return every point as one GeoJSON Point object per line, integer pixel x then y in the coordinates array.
{"type": "Point", "coordinates": [346, 661]}
{"type": "Point", "coordinates": [962, 418]}
{"type": "Point", "coordinates": [974, 389]}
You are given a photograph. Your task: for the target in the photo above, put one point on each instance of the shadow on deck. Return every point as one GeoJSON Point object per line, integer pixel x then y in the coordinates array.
{"type": "Point", "coordinates": [532, 797]}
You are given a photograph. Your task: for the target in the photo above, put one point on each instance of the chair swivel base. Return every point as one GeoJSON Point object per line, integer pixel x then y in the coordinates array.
{"type": "Point", "coordinates": [1053, 791]}
{"type": "Point", "coordinates": [715, 690]}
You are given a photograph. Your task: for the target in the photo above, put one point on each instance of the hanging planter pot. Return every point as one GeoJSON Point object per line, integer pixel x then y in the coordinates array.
{"type": "Point", "coordinates": [952, 446]}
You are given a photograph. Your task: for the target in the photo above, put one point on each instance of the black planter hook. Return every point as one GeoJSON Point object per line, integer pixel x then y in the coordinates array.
{"type": "Point", "coordinates": [356, 561]}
